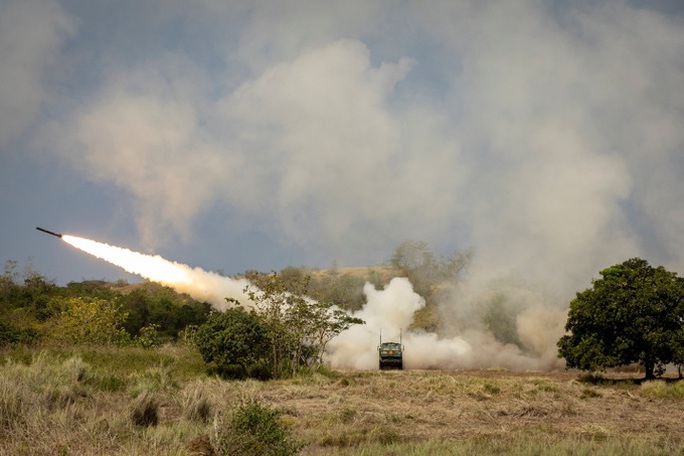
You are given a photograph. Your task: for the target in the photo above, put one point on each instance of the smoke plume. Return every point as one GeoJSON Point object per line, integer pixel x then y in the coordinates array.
{"type": "Point", "coordinates": [389, 311]}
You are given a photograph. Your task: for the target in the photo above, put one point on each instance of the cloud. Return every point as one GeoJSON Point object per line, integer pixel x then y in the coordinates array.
{"type": "Point", "coordinates": [553, 122]}
{"type": "Point", "coordinates": [547, 138]}
{"type": "Point", "coordinates": [142, 133]}
{"type": "Point", "coordinates": [31, 32]}
{"type": "Point", "coordinates": [329, 147]}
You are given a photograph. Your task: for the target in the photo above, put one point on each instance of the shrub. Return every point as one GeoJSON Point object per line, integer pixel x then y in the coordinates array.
{"type": "Point", "coordinates": [232, 341]}
{"type": "Point", "coordinates": [92, 322]}
{"type": "Point", "coordinates": [260, 371]}
{"type": "Point", "coordinates": [254, 429]}
{"type": "Point", "coordinates": [661, 389]}
{"type": "Point", "coordinates": [10, 335]}
{"type": "Point", "coordinates": [149, 336]}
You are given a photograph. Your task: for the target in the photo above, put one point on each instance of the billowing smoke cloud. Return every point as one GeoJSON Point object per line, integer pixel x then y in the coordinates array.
{"type": "Point", "coordinates": [390, 312]}
{"type": "Point", "coordinates": [546, 136]}
{"type": "Point", "coordinates": [31, 33]}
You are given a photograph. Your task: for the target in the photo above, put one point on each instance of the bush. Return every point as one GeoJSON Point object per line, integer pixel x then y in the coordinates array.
{"type": "Point", "coordinates": [260, 371]}
{"type": "Point", "coordinates": [232, 341]}
{"type": "Point", "coordinates": [10, 335]}
{"type": "Point", "coordinates": [149, 336]}
{"type": "Point", "coordinates": [91, 321]}
{"type": "Point", "coordinates": [254, 429]}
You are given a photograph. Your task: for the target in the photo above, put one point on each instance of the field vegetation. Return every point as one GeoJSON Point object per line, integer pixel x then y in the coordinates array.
{"type": "Point", "coordinates": [130, 400]}
{"type": "Point", "coordinates": [98, 368]}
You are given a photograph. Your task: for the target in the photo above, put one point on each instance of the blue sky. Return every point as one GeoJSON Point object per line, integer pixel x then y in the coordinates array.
{"type": "Point", "coordinates": [545, 136]}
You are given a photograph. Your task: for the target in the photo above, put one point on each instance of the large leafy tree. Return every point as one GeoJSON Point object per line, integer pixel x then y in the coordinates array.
{"type": "Point", "coordinates": [234, 338]}
{"type": "Point", "coordinates": [633, 313]}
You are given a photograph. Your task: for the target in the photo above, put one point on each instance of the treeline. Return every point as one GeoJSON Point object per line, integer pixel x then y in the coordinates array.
{"type": "Point", "coordinates": [296, 312]}
{"type": "Point", "coordinates": [34, 309]}
{"type": "Point", "coordinates": [431, 275]}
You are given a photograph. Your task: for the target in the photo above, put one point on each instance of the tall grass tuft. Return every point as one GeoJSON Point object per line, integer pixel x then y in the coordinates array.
{"type": "Point", "coordinates": [46, 383]}
{"type": "Point", "coordinates": [196, 406]}
{"type": "Point", "coordinates": [15, 402]}
{"type": "Point", "coordinates": [155, 379]}
{"type": "Point", "coordinates": [660, 389]}
{"type": "Point", "coordinates": [145, 410]}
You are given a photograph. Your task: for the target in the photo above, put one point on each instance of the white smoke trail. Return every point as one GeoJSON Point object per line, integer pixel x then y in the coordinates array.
{"type": "Point", "coordinates": [198, 283]}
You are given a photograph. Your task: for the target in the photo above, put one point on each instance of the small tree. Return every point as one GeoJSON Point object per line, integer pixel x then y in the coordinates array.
{"type": "Point", "coordinates": [298, 327]}
{"type": "Point", "coordinates": [276, 301]}
{"type": "Point", "coordinates": [425, 270]}
{"type": "Point", "coordinates": [91, 321]}
{"type": "Point", "coordinates": [500, 316]}
{"type": "Point", "coordinates": [327, 322]}
{"type": "Point", "coordinates": [634, 313]}
{"type": "Point", "coordinates": [149, 336]}
{"type": "Point", "coordinates": [234, 338]}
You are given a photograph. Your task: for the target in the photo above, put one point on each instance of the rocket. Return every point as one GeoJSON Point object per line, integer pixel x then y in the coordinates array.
{"type": "Point", "coordinates": [49, 232]}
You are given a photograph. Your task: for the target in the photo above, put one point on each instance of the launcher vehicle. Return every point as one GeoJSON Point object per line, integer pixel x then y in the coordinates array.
{"type": "Point", "coordinates": [390, 354]}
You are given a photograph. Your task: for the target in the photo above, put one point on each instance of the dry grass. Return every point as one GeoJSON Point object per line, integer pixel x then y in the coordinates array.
{"type": "Point", "coordinates": [64, 405]}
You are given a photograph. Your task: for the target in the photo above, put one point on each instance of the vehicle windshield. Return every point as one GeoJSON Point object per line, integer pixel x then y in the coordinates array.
{"type": "Point", "coordinates": [391, 346]}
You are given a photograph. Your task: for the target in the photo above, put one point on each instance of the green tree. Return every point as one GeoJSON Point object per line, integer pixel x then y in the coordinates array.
{"type": "Point", "coordinates": [10, 334]}
{"type": "Point", "coordinates": [232, 339]}
{"type": "Point", "coordinates": [298, 327]}
{"type": "Point", "coordinates": [499, 316]}
{"type": "Point", "coordinates": [345, 290]}
{"type": "Point", "coordinates": [148, 336]}
{"type": "Point", "coordinates": [91, 321]}
{"type": "Point", "coordinates": [33, 293]}
{"type": "Point", "coordinates": [425, 270]}
{"type": "Point", "coordinates": [411, 255]}
{"type": "Point", "coordinates": [634, 313]}
{"type": "Point", "coordinates": [163, 307]}
{"type": "Point", "coordinates": [279, 303]}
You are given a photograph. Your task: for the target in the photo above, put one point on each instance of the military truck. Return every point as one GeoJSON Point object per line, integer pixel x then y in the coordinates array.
{"type": "Point", "coordinates": [390, 354]}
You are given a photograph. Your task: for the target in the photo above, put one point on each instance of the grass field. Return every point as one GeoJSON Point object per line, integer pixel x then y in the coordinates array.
{"type": "Point", "coordinates": [93, 401]}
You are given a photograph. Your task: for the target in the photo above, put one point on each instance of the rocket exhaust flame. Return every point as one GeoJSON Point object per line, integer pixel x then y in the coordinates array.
{"type": "Point", "coordinates": [198, 283]}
